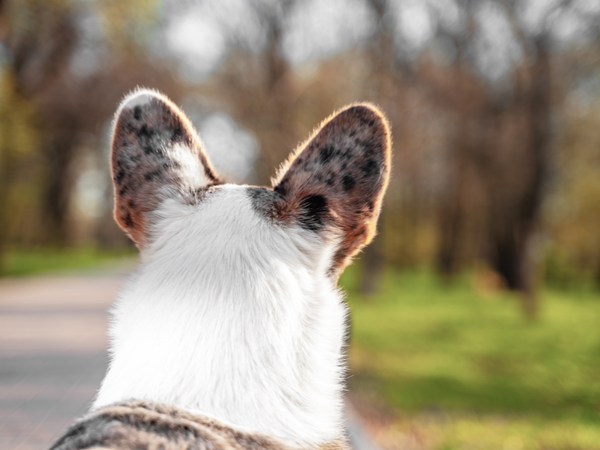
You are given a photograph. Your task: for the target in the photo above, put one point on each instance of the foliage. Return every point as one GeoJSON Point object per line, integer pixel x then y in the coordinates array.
{"type": "Point", "coordinates": [18, 166]}
{"type": "Point", "coordinates": [128, 24]}
{"type": "Point", "coordinates": [16, 117]}
{"type": "Point", "coordinates": [573, 209]}
{"type": "Point", "coordinates": [458, 351]}
{"type": "Point", "coordinates": [477, 99]}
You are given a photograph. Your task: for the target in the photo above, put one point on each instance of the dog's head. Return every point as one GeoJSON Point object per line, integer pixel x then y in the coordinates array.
{"type": "Point", "coordinates": [330, 189]}
{"type": "Point", "coordinates": [234, 310]}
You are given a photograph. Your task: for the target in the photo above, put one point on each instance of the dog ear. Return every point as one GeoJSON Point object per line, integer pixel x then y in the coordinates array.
{"type": "Point", "coordinates": [155, 155]}
{"type": "Point", "coordinates": [336, 179]}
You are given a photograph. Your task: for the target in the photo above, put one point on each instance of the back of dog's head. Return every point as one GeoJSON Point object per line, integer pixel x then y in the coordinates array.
{"type": "Point", "coordinates": [234, 310]}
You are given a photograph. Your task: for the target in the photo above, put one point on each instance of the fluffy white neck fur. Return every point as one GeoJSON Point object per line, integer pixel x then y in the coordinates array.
{"type": "Point", "coordinates": [235, 317]}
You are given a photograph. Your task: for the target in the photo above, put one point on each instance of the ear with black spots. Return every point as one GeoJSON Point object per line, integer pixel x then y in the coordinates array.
{"type": "Point", "coordinates": [336, 180]}
{"type": "Point", "coordinates": [156, 154]}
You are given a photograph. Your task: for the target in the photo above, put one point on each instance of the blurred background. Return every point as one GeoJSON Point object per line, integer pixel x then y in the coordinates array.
{"type": "Point", "coordinates": [476, 311]}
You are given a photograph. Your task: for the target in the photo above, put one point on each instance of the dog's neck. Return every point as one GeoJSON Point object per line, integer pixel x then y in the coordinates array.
{"type": "Point", "coordinates": [247, 328]}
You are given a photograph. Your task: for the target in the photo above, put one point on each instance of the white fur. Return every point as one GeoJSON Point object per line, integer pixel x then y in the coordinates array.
{"type": "Point", "coordinates": [138, 97]}
{"type": "Point", "coordinates": [233, 316]}
{"type": "Point", "coordinates": [191, 171]}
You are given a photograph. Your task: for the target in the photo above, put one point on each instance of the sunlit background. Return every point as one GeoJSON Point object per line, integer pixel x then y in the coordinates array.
{"type": "Point", "coordinates": [476, 311]}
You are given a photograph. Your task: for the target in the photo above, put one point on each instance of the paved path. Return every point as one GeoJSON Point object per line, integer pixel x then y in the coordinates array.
{"type": "Point", "coordinates": [53, 356]}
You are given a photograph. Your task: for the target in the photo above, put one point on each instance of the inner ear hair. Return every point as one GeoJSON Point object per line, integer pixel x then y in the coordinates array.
{"type": "Point", "coordinates": [337, 178]}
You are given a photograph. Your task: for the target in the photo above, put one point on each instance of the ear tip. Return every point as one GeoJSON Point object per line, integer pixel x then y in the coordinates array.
{"type": "Point", "coordinates": [141, 97]}
{"type": "Point", "coordinates": [369, 114]}
{"type": "Point", "coordinates": [372, 116]}
{"type": "Point", "coordinates": [366, 107]}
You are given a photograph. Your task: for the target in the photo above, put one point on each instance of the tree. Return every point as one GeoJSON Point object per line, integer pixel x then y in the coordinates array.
{"type": "Point", "coordinates": [487, 67]}
{"type": "Point", "coordinates": [72, 79]}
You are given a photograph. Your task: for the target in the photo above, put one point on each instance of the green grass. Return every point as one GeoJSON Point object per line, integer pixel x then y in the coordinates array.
{"type": "Point", "coordinates": [428, 348]}
{"type": "Point", "coordinates": [19, 262]}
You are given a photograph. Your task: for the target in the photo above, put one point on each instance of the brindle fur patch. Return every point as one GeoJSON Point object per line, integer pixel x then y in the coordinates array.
{"type": "Point", "coordinates": [337, 179]}
{"type": "Point", "coordinates": [145, 167]}
{"type": "Point", "coordinates": [144, 425]}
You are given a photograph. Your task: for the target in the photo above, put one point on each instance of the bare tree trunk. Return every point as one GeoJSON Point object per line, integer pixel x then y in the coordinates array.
{"type": "Point", "coordinates": [514, 225]}
{"type": "Point", "coordinates": [511, 258]}
{"type": "Point", "coordinates": [541, 134]}
{"type": "Point", "coordinates": [450, 224]}
{"type": "Point", "coordinates": [59, 185]}
{"type": "Point", "coordinates": [6, 171]}
{"type": "Point", "coordinates": [450, 220]}
{"type": "Point", "coordinates": [373, 265]}
{"type": "Point", "coordinates": [48, 49]}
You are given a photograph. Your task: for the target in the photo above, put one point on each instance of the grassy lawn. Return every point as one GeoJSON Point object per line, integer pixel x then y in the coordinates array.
{"type": "Point", "coordinates": [467, 371]}
{"type": "Point", "coordinates": [19, 262]}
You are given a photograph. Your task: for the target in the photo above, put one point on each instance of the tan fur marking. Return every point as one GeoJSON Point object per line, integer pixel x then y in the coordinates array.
{"type": "Point", "coordinates": [144, 425]}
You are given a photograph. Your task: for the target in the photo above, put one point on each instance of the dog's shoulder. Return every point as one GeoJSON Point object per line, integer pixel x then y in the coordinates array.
{"type": "Point", "coordinates": [146, 425]}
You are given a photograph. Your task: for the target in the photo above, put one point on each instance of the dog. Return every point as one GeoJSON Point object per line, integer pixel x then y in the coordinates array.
{"type": "Point", "coordinates": [230, 334]}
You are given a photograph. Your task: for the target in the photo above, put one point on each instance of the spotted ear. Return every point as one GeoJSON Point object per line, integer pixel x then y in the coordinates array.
{"type": "Point", "coordinates": [155, 155]}
{"type": "Point", "coordinates": [336, 180]}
